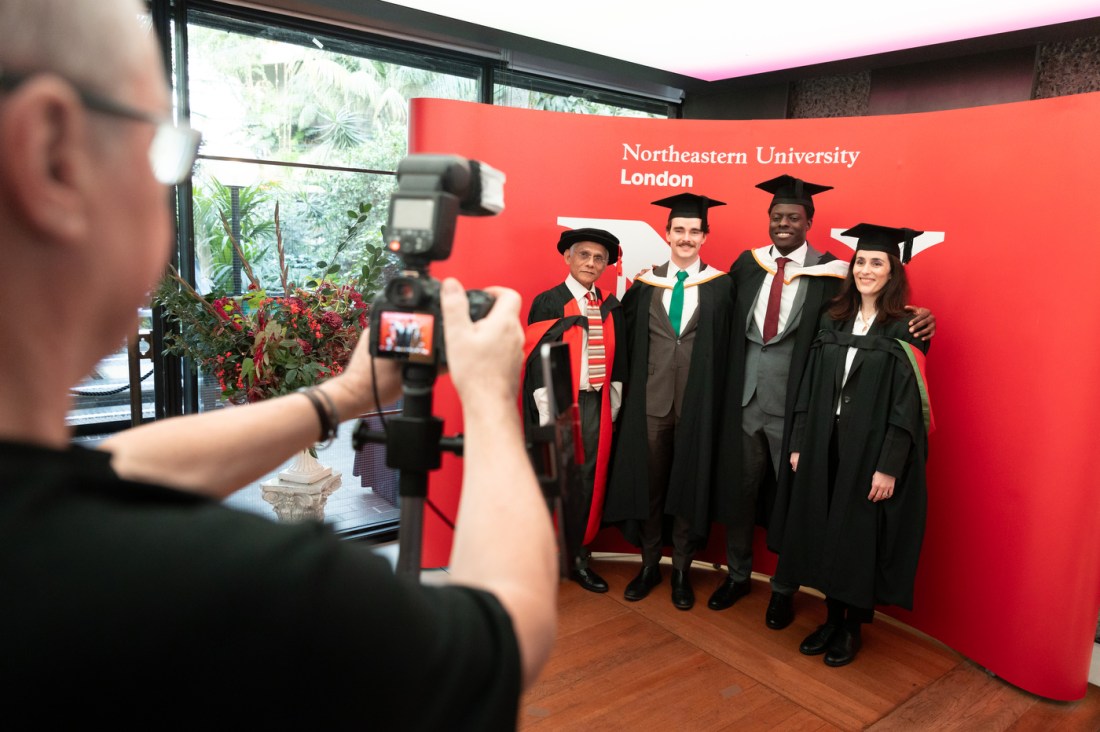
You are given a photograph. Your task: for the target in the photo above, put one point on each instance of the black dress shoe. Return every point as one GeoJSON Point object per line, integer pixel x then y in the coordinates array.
{"type": "Point", "coordinates": [729, 592]}
{"type": "Point", "coordinates": [780, 611]}
{"type": "Point", "coordinates": [817, 642]}
{"type": "Point", "coordinates": [843, 647]}
{"type": "Point", "coordinates": [683, 596]}
{"type": "Point", "coordinates": [648, 578]}
{"type": "Point", "coordinates": [589, 580]}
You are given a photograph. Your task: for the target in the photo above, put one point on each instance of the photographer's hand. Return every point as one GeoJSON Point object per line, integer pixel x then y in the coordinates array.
{"type": "Point", "coordinates": [486, 355]}
{"type": "Point", "coordinates": [353, 390]}
{"type": "Point", "coordinates": [503, 541]}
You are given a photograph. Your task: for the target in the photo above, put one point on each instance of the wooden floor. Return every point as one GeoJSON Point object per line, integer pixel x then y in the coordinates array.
{"type": "Point", "coordinates": [645, 665]}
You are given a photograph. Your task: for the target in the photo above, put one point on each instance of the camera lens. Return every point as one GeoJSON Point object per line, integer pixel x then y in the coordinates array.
{"type": "Point", "coordinates": [404, 292]}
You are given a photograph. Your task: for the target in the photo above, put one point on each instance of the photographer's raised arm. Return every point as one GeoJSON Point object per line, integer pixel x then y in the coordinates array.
{"type": "Point", "coordinates": [216, 453]}
{"type": "Point", "coordinates": [503, 542]}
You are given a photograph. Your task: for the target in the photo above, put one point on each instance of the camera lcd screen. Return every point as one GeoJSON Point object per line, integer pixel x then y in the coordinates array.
{"type": "Point", "coordinates": [411, 334]}
{"type": "Point", "coordinates": [411, 213]}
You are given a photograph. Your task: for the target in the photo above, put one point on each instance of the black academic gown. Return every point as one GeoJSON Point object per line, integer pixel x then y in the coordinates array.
{"type": "Point", "coordinates": [747, 278]}
{"type": "Point", "coordinates": [548, 323]}
{"type": "Point", "coordinates": [690, 484]}
{"type": "Point", "coordinates": [833, 537]}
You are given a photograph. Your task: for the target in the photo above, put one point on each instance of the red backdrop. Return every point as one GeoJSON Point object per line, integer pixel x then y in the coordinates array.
{"type": "Point", "coordinates": [1010, 569]}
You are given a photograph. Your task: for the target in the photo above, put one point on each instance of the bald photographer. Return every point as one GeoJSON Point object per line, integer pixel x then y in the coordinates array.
{"type": "Point", "coordinates": [129, 590]}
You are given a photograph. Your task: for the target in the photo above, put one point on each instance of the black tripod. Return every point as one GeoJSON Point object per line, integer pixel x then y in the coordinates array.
{"type": "Point", "coordinates": [414, 444]}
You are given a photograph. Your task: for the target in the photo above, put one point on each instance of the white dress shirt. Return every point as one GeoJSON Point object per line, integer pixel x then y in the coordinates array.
{"type": "Point", "coordinates": [691, 294]}
{"type": "Point", "coordinates": [767, 256]}
{"type": "Point", "coordinates": [859, 328]}
{"type": "Point", "coordinates": [580, 294]}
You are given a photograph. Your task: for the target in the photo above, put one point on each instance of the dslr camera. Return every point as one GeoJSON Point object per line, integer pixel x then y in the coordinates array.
{"type": "Point", "coordinates": [406, 324]}
{"type": "Point", "coordinates": [432, 191]}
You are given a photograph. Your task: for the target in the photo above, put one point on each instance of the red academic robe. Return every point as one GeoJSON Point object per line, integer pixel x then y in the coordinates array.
{"type": "Point", "coordinates": [556, 316]}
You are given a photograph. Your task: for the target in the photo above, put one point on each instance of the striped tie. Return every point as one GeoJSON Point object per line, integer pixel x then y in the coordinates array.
{"type": "Point", "coordinates": [597, 367]}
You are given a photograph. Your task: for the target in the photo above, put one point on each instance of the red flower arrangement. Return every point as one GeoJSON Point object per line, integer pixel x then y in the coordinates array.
{"type": "Point", "coordinates": [259, 345]}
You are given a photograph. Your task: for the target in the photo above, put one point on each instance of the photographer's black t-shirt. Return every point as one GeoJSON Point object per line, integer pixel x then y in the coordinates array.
{"type": "Point", "coordinates": [154, 607]}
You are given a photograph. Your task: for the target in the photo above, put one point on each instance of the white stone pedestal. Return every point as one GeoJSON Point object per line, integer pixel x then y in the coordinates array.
{"type": "Point", "coordinates": [302, 490]}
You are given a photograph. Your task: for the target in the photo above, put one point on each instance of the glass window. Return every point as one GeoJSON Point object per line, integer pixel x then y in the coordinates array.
{"type": "Point", "coordinates": [265, 93]}
{"type": "Point", "coordinates": [312, 119]}
{"type": "Point", "coordinates": [366, 494]}
{"type": "Point", "coordinates": [513, 89]}
{"type": "Point", "coordinates": [102, 401]}
{"type": "Point", "coordinates": [314, 124]}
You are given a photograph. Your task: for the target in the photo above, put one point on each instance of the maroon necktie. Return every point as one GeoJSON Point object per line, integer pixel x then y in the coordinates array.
{"type": "Point", "coordinates": [771, 317]}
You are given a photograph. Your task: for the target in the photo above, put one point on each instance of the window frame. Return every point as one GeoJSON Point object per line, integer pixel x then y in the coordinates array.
{"type": "Point", "coordinates": [176, 387]}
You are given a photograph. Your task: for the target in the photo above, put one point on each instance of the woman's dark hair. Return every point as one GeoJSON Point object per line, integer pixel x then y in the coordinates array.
{"type": "Point", "coordinates": [892, 298]}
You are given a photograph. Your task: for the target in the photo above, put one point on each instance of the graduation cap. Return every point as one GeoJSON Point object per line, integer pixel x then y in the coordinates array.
{"type": "Point", "coordinates": [788, 189]}
{"type": "Point", "coordinates": [605, 239]}
{"type": "Point", "coordinates": [689, 206]}
{"type": "Point", "coordinates": [875, 238]}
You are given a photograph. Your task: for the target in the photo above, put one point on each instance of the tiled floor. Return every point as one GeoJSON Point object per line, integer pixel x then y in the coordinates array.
{"type": "Point", "coordinates": [353, 505]}
{"type": "Point", "coordinates": [367, 494]}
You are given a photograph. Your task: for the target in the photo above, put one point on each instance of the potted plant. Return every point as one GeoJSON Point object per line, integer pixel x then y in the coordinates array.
{"type": "Point", "coordinates": [265, 343]}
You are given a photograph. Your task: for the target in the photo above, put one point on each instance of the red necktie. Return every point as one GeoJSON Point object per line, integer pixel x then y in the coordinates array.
{"type": "Point", "coordinates": [597, 368]}
{"type": "Point", "coordinates": [771, 317]}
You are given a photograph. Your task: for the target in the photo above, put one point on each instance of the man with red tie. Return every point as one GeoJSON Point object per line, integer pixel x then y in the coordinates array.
{"type": "Point", "coordinates": [781, 291]}
{"type": "Point", "coordinates": [577, 313]}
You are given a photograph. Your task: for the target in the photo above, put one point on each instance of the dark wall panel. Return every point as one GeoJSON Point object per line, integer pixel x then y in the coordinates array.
{"type": "Point", "coordinates": [969, 81]}
{"type": "Point", "coordinates": [843, 95]}
{"type": "Point", "coordinates": [1068, 67]}
{"type": "Point", "coordinates": [721, 100]}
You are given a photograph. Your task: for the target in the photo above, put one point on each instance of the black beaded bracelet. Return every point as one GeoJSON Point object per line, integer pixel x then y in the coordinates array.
{"type": "Point", "coordinates": [326, 413]}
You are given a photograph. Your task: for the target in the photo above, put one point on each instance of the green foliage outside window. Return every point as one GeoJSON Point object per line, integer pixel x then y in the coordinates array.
{"type": "Point", "coordinates": [213, 205]}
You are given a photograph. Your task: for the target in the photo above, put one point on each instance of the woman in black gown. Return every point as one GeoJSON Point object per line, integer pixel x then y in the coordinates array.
{"type": "Point", "coordinates": [852, 515]}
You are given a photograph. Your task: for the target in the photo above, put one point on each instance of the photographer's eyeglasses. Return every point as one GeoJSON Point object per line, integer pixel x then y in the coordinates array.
{"type": "Point", "coordinates": [173, 149]}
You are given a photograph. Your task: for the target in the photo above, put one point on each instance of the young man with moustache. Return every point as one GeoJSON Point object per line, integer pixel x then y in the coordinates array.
{"type": "Point", "coordinates": [577, 313]}
{"type": "Point", "coordinates": [677, 329]}
{"type": "Point", "coordinates": [781, 291]}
